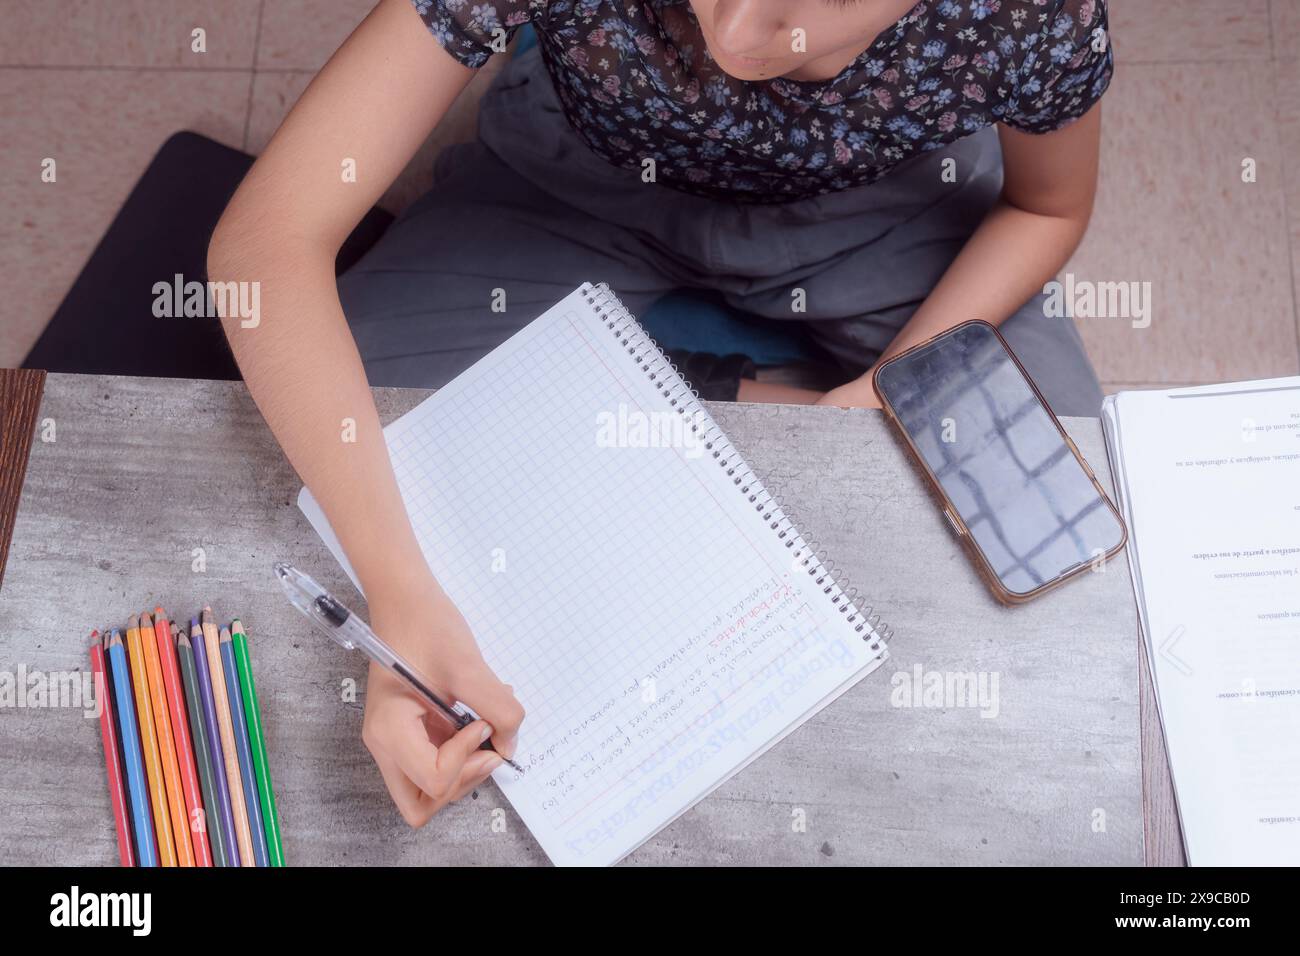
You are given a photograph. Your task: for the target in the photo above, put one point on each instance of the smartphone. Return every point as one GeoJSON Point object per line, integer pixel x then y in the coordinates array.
{"type": "Point", "coordinates": [1011, 482]}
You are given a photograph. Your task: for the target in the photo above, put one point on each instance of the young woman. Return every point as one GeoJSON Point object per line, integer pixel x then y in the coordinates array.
{"type": "Point", "coordinates": [878, 170]}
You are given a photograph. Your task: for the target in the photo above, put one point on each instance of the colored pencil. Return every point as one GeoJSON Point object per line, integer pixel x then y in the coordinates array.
{"type": "Point", "coordinates": [208, 773]}
{"type": "Point", "coordinates": [248, 776]}
{"type": "Point", "coordinates": [180, 821]}
{"type": "Point", "coordinates": [226, 727]}
{"type": "Point", "coordinates": [220, 766]}
{"type": "Point", "coordinates": [112, 752]}
{"type": "Point", "coordinates": [149, 746]}
{"type": "Point", "coordinates": [257, 741]}
{"type": "Point", "coordinates": [194, 816]}
{"type": "Point", "coordinates": [146, 848]}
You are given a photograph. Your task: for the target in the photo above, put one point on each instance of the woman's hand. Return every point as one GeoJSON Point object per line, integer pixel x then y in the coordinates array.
{"type": "Point", "coordinates": [425, 766]}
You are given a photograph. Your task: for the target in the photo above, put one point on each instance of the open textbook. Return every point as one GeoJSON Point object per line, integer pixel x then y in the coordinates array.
{"type": "Point", "coordinates": [661, 620]}
{"type": "Point", "coordinates": [1208, 479]}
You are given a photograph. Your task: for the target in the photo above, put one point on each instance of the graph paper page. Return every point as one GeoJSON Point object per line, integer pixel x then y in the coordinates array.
{"type": "Point", "coordinates": [654, 627]}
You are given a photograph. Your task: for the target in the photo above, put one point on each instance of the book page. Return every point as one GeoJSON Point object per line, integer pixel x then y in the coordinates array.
{"type": "Point", "coordinates": [658, 631]}
{"type": "Point", "coordinates": [1211, 488]}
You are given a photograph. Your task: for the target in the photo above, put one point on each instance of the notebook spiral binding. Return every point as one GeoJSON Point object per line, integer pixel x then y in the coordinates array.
{"type": "Point", "coordinates": [683, 398]}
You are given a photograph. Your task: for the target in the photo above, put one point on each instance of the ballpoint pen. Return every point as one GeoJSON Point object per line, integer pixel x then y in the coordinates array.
{"type": "Point", "coordinates": [332, 616]}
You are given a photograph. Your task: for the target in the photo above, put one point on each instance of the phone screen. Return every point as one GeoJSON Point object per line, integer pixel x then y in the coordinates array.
{"type": "Point", "coordinates": [995, 449]}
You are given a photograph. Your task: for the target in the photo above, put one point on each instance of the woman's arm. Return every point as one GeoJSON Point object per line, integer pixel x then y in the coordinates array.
{"type": "Point", "coordinates": [369, 109]}
{"type": "Point", "coordinates": [1049, 183]}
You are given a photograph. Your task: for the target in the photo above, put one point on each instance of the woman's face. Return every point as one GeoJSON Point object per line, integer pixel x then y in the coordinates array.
{"type": "Point", "coordinates": [757, 39]}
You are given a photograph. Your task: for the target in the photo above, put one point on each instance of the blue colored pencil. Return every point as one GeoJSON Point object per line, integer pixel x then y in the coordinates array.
{"type": "Point", "coordinates": [245, 751]}
{"type": "Point", "coordinates": [225, 815]}
{"type": "Point", "coordinates": [132, 759]}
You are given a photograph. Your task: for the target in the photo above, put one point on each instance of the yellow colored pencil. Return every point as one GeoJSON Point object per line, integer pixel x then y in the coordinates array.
{"type": "Point", "coordinates": [226, 727]}
{"type": "Point", "coordinates": [166, 744]}
{"type": "Point", "coordinates": [149, 745]}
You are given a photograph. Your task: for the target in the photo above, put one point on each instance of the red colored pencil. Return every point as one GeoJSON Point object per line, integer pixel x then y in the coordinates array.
{"type": "Point", "coordinates": [184, 742]}
{"type": "Point", "coordinates": [112, 755]}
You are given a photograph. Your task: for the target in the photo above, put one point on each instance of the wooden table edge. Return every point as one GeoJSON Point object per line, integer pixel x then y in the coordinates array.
{"type": "Point", "coordinates": [21, 390]}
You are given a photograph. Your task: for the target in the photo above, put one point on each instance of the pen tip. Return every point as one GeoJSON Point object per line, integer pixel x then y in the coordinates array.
{"type": "Point", "coordinates": [146, 620]}
{"type": "Point", "coordinates": [134, 622]}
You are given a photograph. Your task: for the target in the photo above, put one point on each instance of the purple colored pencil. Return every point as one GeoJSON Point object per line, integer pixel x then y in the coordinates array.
{"type": "Point", "coordinates": [226, 816]}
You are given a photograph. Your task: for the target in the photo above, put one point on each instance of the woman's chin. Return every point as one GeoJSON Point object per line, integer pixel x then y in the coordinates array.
{"type": "Point", "coordinates": [748, 70]}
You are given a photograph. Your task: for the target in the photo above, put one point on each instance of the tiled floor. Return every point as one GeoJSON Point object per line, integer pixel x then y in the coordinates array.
{"type": "Point", "coordinates": [1203, 85]}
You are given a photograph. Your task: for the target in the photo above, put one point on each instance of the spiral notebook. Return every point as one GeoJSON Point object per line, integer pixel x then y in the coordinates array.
{"type": "Point", "coordinates": [660, 618]}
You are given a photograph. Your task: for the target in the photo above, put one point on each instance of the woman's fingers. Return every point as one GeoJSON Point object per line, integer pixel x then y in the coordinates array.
{"type": "Point", "coordinates": [387, 718]}
{"type": "Point", "coordinates": [493, 701]}
{"type": "Point", "coordinates": [416, 806]}
{"type": "Point", "coordinates": [435, 770]}
{"type": "Point", "coordinates": [477, 769]}
{"type": "Point", "coordinates": [423, 777]}
{"type": "Point", "coordinates": [448, 769]}
{"type": "Point", "coordinates": [411, 802]}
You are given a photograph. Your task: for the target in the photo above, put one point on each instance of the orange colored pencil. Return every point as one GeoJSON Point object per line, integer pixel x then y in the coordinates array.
{"type": "Point", "coordinates": [166, 744]}
{"type": "Point", "coordinates": [226, 727]}
{"type": "Point", "coordinates": [189, 772]}
{"type": "Point", "coordinates": [153, 767]}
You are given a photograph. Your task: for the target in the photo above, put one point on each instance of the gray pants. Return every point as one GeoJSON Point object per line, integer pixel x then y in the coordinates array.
{"type": "Point", "coordinates": [529, 210]}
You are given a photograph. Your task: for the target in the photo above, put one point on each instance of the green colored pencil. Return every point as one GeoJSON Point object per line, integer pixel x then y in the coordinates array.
{"type": "Point", "coordinates": [202, 749]}
{"type": "Point", "coordinates": [257, 743]}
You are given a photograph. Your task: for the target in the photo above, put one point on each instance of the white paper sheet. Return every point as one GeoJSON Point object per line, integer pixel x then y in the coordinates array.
{"type": "Point", "coordinates": [1209, 482]}
{"type": "Point", "coordinates": [651, 621]}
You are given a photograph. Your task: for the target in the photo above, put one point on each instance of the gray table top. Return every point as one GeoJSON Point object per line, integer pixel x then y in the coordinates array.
{"type": "Point", "coordinates": [104, 530]}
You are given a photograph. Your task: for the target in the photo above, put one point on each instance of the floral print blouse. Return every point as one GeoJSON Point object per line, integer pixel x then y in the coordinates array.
{"type": "Point", "coordinates": [636, 81]}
